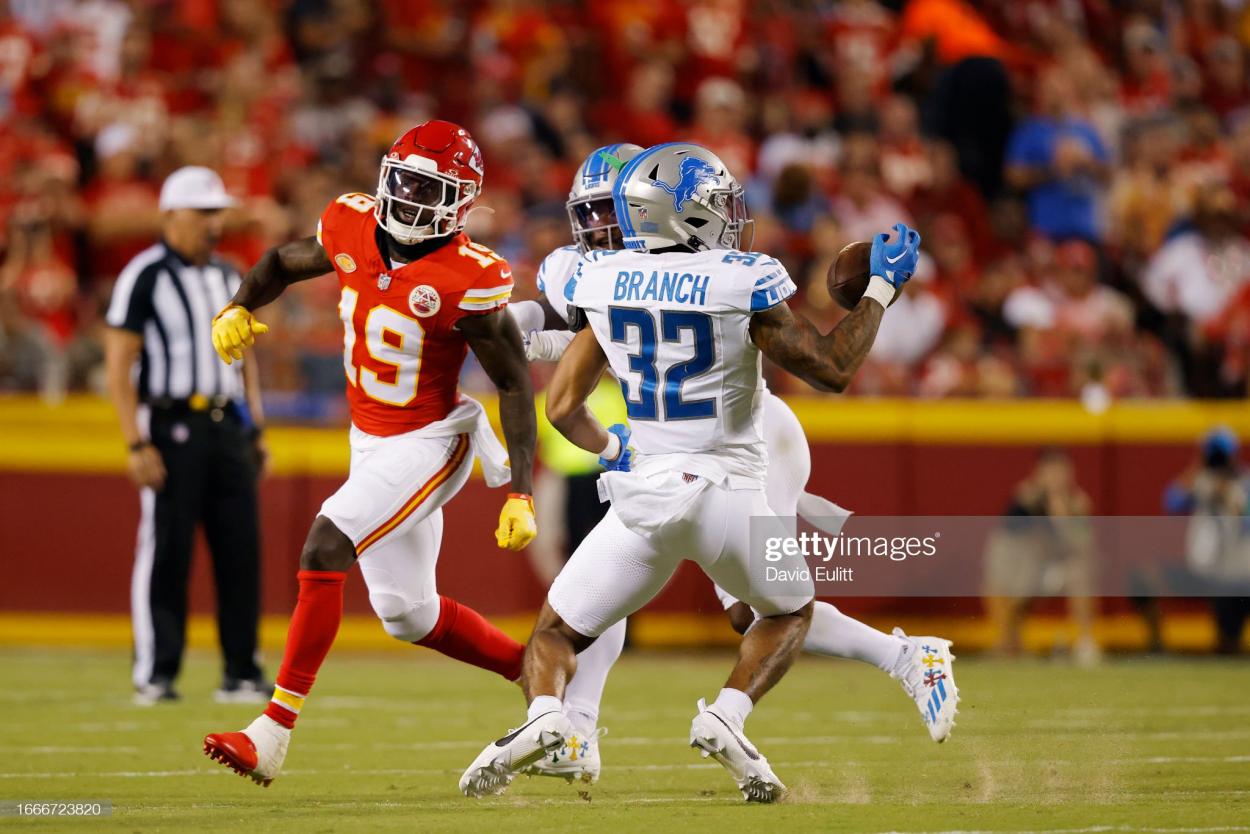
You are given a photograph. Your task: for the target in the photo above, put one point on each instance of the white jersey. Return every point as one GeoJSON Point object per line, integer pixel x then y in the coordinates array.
{"type": "Point", "coordinates": [674, 327]}
{"type": "Point", "coordinates": [554, 274]}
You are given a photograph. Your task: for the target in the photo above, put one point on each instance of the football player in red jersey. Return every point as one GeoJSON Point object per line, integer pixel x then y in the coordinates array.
{"type": "Point", "coordinates": [416, 295]}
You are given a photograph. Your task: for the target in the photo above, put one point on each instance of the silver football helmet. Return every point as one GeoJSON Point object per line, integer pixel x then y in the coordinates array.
{"type": "Point", "coordinates": [592, 214]}
{"type": "Point", "coordinates": [679, 194]}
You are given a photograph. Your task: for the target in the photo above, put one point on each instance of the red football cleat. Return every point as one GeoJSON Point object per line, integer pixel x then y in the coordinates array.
{"type": "Point", "coordinates": [237, 752]}
{"type": "Point", "coordinates": [257, 752]}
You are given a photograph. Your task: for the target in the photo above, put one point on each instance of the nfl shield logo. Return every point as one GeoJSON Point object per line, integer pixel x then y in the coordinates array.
{"type": "Point", "coordinates": [384, 281]}
{"type": "Point", "coordinates": [642, 212]}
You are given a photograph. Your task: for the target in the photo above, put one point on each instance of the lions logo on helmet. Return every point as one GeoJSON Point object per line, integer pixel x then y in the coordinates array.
{"type": "Point", "coordinates": [679, 194]}
{"type": "Point", "coordinates": [692, 173]}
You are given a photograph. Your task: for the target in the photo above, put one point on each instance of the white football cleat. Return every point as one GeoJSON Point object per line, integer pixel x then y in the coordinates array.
{"type": "Point", "coordinates": [714, 736]}
{"type": "Point", "coordinates": [496, 766]}
{"type": "Point", "coordinates": [927, 674]}
{"type": "Point", "coordinates": [257, 752]}
{"type": "Point", "coordinates": [577, 758]}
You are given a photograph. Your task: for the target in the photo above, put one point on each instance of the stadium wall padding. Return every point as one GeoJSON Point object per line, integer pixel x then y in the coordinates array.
{"type": "Point", "coordinates": [68, 514]}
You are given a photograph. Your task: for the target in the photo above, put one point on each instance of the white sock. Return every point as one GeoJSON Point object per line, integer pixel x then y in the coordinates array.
{"type": "Point", "coordinates": [734, 705]}
{"type": "Point", "coordinates": [837, 635]}
{"type": "Point", "coordinates": [543, 704]}
{"type": "Point", "coordinates": [584, 693]}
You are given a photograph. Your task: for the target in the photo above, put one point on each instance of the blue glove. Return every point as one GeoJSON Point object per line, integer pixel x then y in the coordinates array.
{"type": "Point", "coordinates": [622, 461]}
{"type": "Point", "coordinates": [895, 262]}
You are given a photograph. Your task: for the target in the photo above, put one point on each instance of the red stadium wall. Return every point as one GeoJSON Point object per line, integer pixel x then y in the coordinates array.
{"type": "Point", "coordinates": [68, 515]}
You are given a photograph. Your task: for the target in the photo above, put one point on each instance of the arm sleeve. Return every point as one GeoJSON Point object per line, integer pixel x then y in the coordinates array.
{"type": "Point", "coordinates": [529, 315]}
{"type": "Point", "coordinates": [131, 304]}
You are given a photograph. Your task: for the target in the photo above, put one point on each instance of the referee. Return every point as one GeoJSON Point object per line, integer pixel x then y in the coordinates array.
{"type": "Point", "coordinates": [192, 425]}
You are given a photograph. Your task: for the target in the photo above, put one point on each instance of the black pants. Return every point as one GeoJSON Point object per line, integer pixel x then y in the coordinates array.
{"type": "Point", "coordinates": [210, 480]}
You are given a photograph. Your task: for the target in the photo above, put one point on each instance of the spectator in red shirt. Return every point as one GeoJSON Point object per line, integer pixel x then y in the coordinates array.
{"type": "Point", "coordinates": [642, 115]}
{"type": "Point", "coordinates": [1226, 89]}
{"type": "Point", "coordinates": [720, 117]}
{"type": "Point", "coordinates": [946, 191]}
{"type": "Point", "coordinates": [863, 206]}
{"type": "Point", "coordinates": [122, 210]}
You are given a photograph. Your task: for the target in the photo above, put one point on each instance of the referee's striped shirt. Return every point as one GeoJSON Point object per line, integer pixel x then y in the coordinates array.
{"type": "Point", "coordinates": [171, 304]}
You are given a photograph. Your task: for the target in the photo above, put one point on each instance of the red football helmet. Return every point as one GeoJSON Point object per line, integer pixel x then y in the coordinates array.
{"type": "Point", "coordinates": [429, 180]}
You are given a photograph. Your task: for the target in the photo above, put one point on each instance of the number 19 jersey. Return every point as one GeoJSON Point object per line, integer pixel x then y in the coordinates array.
{"type": "Point", "coordinates": [402, 353]}
{"type": "Point", "coordinates": [674, 327]}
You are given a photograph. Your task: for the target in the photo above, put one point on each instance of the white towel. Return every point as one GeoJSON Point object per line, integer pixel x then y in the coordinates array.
{"type": "Point", "coordinates": [823, 514]}
{"type": "Point", "coordinates": [468, 417]}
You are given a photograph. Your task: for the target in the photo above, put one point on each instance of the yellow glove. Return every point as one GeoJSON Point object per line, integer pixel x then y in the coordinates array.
{"type": "Point", "coordinates": [234, 331]}
{"type": "Point", "coordinates": [517, 527]}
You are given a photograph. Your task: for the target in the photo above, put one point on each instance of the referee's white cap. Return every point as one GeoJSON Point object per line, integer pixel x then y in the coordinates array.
{"type": "Point", "coordinates": [195, 187]}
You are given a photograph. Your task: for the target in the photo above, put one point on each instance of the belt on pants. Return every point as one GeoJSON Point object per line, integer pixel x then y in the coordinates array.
{"type": "Point", "coordinates": [217, 407]}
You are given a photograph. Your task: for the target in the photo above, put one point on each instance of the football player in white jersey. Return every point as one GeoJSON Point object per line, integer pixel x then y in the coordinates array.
{"type": "Point", "coordinates": [682, 318]}
{"type": "Point", "coordinates": [544, 324]}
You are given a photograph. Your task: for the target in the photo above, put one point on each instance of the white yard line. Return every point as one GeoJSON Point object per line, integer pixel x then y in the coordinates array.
{"type": "Point", "coordinates": [208, 771]}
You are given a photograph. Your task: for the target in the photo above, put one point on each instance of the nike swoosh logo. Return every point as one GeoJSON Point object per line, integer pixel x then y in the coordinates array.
{"type": "Point", "coordinates": [890, 260]}
{"type": "Point", "coordinates": [506, 740]}
{"type": "Point", "coordinates": [751, 752]}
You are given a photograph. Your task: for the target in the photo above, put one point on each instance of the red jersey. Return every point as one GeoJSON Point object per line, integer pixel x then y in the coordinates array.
{"type": "Point", "coordinates": [401, 350]}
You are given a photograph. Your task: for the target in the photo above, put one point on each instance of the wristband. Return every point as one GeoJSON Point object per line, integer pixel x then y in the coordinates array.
{"type": "Point", "coordinates": [139, 445]}
{"type": "Point", "coordinates": [529, 499]}
{"type": "Point", "coordinates": [880, 290]}
{"type": "Point", "coordinates": [613, 450]}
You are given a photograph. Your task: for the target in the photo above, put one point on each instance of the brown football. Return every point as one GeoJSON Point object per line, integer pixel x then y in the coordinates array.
{"type": "Point", "coordinates": [848, 276]}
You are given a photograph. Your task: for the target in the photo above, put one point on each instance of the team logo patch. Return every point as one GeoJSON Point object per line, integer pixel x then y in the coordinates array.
{"type": "Point", "coordinates": [424, 301]}
{"type": "Point", "coordinates": [475, 160]}
{"type": "Point", "coordinates": [344, 262]}
{"type": "Point", "coordinates": [692, 173]}
{"type": "Point", "coordinates": [384, 282]}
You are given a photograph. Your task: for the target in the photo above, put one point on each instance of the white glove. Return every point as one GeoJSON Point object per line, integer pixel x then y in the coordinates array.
{"type": "Point", "coordinates": [547, 345]}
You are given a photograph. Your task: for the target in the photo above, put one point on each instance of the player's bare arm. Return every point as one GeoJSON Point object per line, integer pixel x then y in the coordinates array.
{"type": "Point", "coordinates": [235, 328]}
{"type": "Point", "coordinates": [826, 362]}
{"type": "Point", "coordinates": [829, 361]}
{"type": "Point", "coordinates": [496, 342]}
{"type": "Point", "coordinates": [575, 378]}
{"type": "Point", "coordinates": [121, 351]}
{"type": "Point", "coordinates": [280, 267]}
{"type": "Point", "coordinates": [256, 408]}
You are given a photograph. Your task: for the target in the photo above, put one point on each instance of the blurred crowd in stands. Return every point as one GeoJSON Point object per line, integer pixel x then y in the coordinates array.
{"type": "Point", "coordinates": [1079, 169]}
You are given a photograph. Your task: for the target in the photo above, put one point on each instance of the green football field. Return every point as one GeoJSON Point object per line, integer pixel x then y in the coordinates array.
{"type": "Point", "coordinates": [1136, 745]}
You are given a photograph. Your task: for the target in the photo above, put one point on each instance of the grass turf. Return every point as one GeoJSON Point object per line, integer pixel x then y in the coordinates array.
{"type": "Point", "coordinates": [1142, 745]}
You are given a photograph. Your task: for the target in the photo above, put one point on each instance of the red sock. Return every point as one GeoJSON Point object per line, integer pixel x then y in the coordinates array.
{"type": "Point", "coordinates": [318, 612]}
{"type": "Point", "coordinates": [464, 634]}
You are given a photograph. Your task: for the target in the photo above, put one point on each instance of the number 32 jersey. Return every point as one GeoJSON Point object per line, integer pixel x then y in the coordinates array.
{"type": "Point", "coordinates": [402, 352]}
{"type": "Point", "coordinates": [674, 327]}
